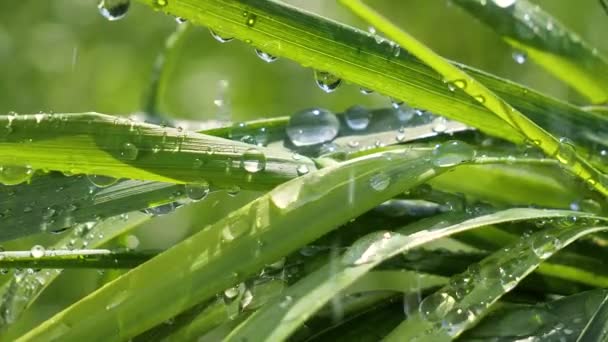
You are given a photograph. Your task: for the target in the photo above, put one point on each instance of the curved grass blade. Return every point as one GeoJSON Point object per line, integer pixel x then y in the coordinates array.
{"type": "Point", "coordinates": [604, 4]}
{"type": "Point", "coordinates": [455, 308]}
{"type": "Point", "coordinates": [97, 144]}
{"type": "Point", "coordinates": [40, 258]}
{"type": "Point", "coordinates": [564, 152]}
{"type": "Point", "coordinates": [308, 295]}
{"type": "Point", "coordinates": [548, 42]}
{"type": "Point", "coordinates": [597, 327]}
{"type": "Point", "coordinates": [561, 319]}
{"type": "Point", "coordinates": [231, 249]}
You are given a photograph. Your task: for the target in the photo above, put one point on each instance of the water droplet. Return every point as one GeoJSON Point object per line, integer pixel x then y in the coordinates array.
{"type": "Point", "coordinates": [440, 124]}
{"type": "Point", "coordinates": [13, 175]}
{"type": "Point", "coordinates": [101, 181]}
{"type": "Point", "coordinates": [357, 118]}
{"type": "Point", "coordinates": [253, 160]}
{"type": "Point", "coordinates": [380, 181]}
{"type": "Point", "coordinates": [231, 293]}
{"type": "Point", "coordinates": [312, 127]}
{"type": "Point", "coordinates": [197, 191]}
{"type": "Point", "coordinates": [326, 81]}
{"type": "Point", "coordinates": [251, 19]}
{"type": "Point", "coordinates": [37, 251]}
{"type": "Point", "coordinates": [233, 190]}
{"type": "Point", "coordinates": [434, 308]}
{"type": "Point", "coordinates": [180, 20]}
{"type": "Point", "coordinates": [220, 38]}
{"type": "Point", "coordinates": [113, 9]}
{"type": "Point", "coordinates": [367, 248]}
{"type": "Point", "coordinates": [479, 98]}
{"type": "Point", "coordinates": [545, 245]}
{"type": "Point", "coordinates": [235, 229]}
{"type": "Point", "coordinates": [566, 153]}
{"type": "Point", "coordinates": [456, 321]}
{"type": "Point", "coordinates": [452, 153]}
{"type": "Point", "coordinates": [365, 91]}
{"type": "Point", "coordinates": [266, 57]}
{"type": "Point", "coordinates": [129, 151]}
{"type": "Point", "coordinates": [302, 170]}
{"type": "Point", "coordinates": [519, 57]}
{"type": "Point", "coordinates": [161, 3]}
{"type": "Point", "coordinates": [504, 3]}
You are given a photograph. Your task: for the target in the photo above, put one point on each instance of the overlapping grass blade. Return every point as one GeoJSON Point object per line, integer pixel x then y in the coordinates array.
{"type": "Point", "coordinates": [596, 328]}
{"type": "Point", "coordinates": [469, 296]}
{"type": "Point", "coordinates": [354, 55]}
{"type": "Point", "coordinates": [538, 35]}
{"type": "Point", "coordinates": [97, 144]}
{"type": "Point", "coordinates": [312, 292]}
{"type": "Point", "coordinates": [228, 251]}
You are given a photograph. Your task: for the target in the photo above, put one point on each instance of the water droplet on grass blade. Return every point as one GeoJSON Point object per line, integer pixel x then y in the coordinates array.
{"type": "Point", "coordinates": [326, 81]}
{"type": "Point", "coordinates": [13, 175]}
{"type": "Point", "coordinates": [253, 160]}
{"type": "Point", "coordinates": [380, 181]}
{"type": "Point", "coordinates": [37, 251]}
{"type": "Point", "coordinates": [519, 57]}
{"type": "Point", "coordinates": [129, 151]}
{"type": "Point", "coordinates": [101, 181]}
{"type": "Point", "coordinates": [367, 248]}
{"type": "Point", "coordinates": [504, 3]}
{"type": "Point", "coordinates": [197, 191]}
{"type": "Point", "coordinates": [434, 307]}
{"type": "Point", "coordinates": [302, 170]}
{"type": "Point", "coordinates": [451, 153]}
{"type": "Point", "coordinates": [266, 57]}
{"type": "Point", "coordinates": [113, 9]}
{"type": "Point", "coordinates": [220, 38]}
{"type": "Point", "coordinates": [357, 118]}
{"type": "Point", "coordinates": [312, 127]}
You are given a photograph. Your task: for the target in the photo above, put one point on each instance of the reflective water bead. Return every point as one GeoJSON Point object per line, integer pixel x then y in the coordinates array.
{"type": "Point", "coordinates": [253, 160]}
{"type": "Point", "coordinates": [312, 127]}
{"type": "Point", "coordinates": [219, 38]}
{"type": "Point", "coordinates": [519, 57]}
{"type": "Point", "coordinates": [451, 153]}
{"type": "Point", "coordinates": [357, 118]}
{"type": "Point", "coordinates": [37, 251]}
{"type": "Point", "coordinates": [434, 308]}
{"type": "Point", "coordinates": [504, 3]}
{"type": "Point", "coordinates": [380, 181]}
{"type": "Point", "coordinates": [326, 81]}
{"type": "Point", "coordinates": [266, 57]}
{"type": "Point", "coordinates": [129, 151]}
{"type": "Point", "coordinates": [113, 9]}
{"type": "Point", "coordinates": [101, 181]}
{"type": "Point", "coordinates": [197, 191]}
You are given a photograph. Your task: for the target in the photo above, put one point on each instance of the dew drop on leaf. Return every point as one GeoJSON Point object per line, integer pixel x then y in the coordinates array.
{"type": "Point", "coordinates": [220, 38]}
{"type": "Point", "coordinates": [266, 57]}
{"type": "Point", "coordinates": [504, 3]}
{"type": "Point", "coordinates": [367, 248]}
{"type": "Point", "coordinates": [519, 57]}
{"type": "Point", "coordinates": [302, 170]}
{"type": "Point", "coordinates": [326, 81]}
{"type": "Point", "coordinates": [101, 181]}
{"type": "Point", "coordinates": [113, 9]}
{"type": "Point", "coordinates": [357, 118]}
{"type": "Point", "coordinates": [253, 160]}
{"type": "Point", "coordinates": [312, 126]}
{"type": "Point", "coordinates": [13, 175]}
{"type": "Point", "coordinates": [451, 153]}
{"type": "Point", "coordinates": [380, 181]}
{"type": "Point", "coordinates": [197, 191]}
{"type": "Point", "coordinates": [180, 20]}
{"type": "Point", "coordinates": [434, 307]}
{"type": "Point", "coordinates": [37, 251]}
{"type": "Point", "coordinates": [129, 151]}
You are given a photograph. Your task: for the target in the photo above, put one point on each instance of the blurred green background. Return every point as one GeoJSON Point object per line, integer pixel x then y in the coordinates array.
{"type": "Point", "coordinates": [62, 56]}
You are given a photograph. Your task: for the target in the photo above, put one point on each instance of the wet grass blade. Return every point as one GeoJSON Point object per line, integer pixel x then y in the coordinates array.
{"type": "Point", "coordinates": [308, 295]}
{"type": "Point", "coordinates": [447, 313]}
{"type": "Point", "coordinates": [72, 258]}
{"type": "Point", "coordinates": [561, 319]}
{"type": "Point", "coordinates": [542, 38]}
{"type": "Point", "coordinates": [460, 79]}
{"type": "Point", "coordinates": [97, 144]}
{"type": "Point", "coordinates": [231, 249]}
{"type": "Point", "coordinates": [596, 328]}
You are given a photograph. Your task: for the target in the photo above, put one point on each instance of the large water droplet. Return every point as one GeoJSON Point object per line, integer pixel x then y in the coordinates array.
{"type": "Point", "coordinates": [113, 9]}
{"type": "Point", "coordinates": [13, 175]}
{"type": "Point", "coordinates": [266, 57]}
{"type": "Point", "coordinates": [380, 181]}
{"type": "Point", "coordinates": [367, 249]}
{"type": "Point", "coordinates": [129, 151]}
{"type": "Point", "coordinates": [220, 38]}
{"type": "Point", "coordinates": [312, 127]}
{"type": "Point", "coordinates": [101, 181]}
{"type": "Point", "coordinates": [451, 153]}
{"type": "Point", "coordinates": [504, 3]}
{"type": "Point", "coordinates": [357, 118]}
{"type": "Point", "coordinates": [197, 191]}
{"type": "Point", "coordinates": [545, 245]}
{"type": "Point", "coordinates": [435, 307]}
{"type": "Point", "coordinates": [37, 251]}
{"type": "Point", "coordinates": [456, 321]}
{"type": "Point", "coordinates": [566, 153]}
{"type": "Point", "coordinates": [253, 160]}
{"type": "Point", "coordinates": [326, 81]}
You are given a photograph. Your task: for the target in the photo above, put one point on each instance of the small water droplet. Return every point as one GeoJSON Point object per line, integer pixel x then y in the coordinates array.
{"type": "Point", "coordinates": [357, 118]}
{"type": "Point", "coordinates": [312, 127]}
{"type": "Point", "coordinates": [302, 170]}
{"type": "Point", "coordinates": [504, 3]}
{"type": "Point", "coordinates": [161, 3]}
{"type": "Point", "coordinates": [519, 57]}
{"type": "Point", "coordinates": [253, 160]}
{"type": "Point", "coordinates": [113, 9]}
{"type": "Point", "coordinates": [13, 175]}
{"type": "Point", "coordinates": [440, 124]}
{"type": "Point", "coordinates": [266, 57]}
{"type": "Point", "coordinates": [129, 151]}
{"type": "Point", "coordinates": [452, 153]}
{"type": "Point", "coordinates": [434, 308]}
{"type": "Point", "coordinates": [365, 91]}
{"type": "Point", "coordinates": [545, 245]}
{"type": "Point", "coordinates": [566, 153]}
{"type": "Point", "coordinates": [220, 38]}
{"type": "Point", "coordinates": [37, 251]}
{"type": "Point", "coordinates": [251, 19]}
{"type": "Point", "coordinates": [479, 98]}
{"type": "Point", "coordinates": [326, 81]}
{"type": "Point", "coordinates": [380, 181]}
{"type": "Point", "coordinates": [180, 20]}
{"type": "Point", "coordinates": [456, 321]}
{"type": "Point", "coordinates": [101, 181]}
{"type": "Point", "coordinates": [197, 191]}
{"type": "Point", "coordinates": [233, 190]}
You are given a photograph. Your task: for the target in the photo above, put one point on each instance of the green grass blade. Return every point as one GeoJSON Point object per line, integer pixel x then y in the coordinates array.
{"type": "Point", "coordinates": [455, 308]}
{"type": "Point", "coordinates": [303, 299]}
{"type": "Point", "coordinates": [535, 134]}
{"type": "Point", "coordinates": [99, 144]}
{"type": "Point", "coordinates": [597, 327]}
{"type": "Point", "coordinates": [231, 249]}
{"type": "Point", "coordinates": [548, 42]}
{"type": "Point", "coordinates": [72, 258]}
